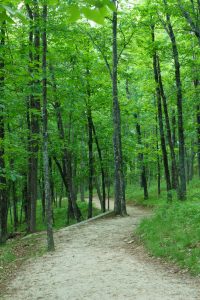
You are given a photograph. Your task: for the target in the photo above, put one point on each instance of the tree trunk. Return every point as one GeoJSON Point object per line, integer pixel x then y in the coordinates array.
{"type": "Point", "coordinates": [196, 85]}
{"type": "Point", "coordinates": [119, 186]}
{"type": "Point", "coordinates": [103, 203]}
{"type": "Point", "coordinates": [141, 160]}
{"type": "Point", "coordinates": [90, 159]}
{"type": "Point", "coordinates": [33, 118]}
{"type": "Point", "coordinates": [175, 182]}
{"type": "Point", "coordinates": [66, 169]}
{"type": "Point", "coordinates": [158, 161]}
{"type": "Point", "coordinates": [198, 138]}
{"type": "Point", "coordinates": [53, 198]}
{"type": "Point", "coordinates": [170, 31]}
{"type": "Point", "coordinates": [97, 185]}
{"type": "Point", "coordinates": [3, 182]}
{"type": "Point", "coordinates": [48, 202]}
{"type": "Point", "coordinates": [160, 121]}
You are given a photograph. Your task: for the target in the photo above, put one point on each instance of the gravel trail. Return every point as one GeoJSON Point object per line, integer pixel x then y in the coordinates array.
{"type": "Point", "coordinates": [99, 261]}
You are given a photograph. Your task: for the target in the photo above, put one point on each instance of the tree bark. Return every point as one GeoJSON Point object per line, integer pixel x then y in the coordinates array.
{"type": "Point", "coordinates": [48, 202]}
{"type": "Point", "coordinates": [141, 160]}
{"type": "Point", "coordinates": [90, 159]}
{"type": "Point", "coordinates": [158, 161]}
{"type": "Point", "coordinates": [103, 203]}
{"type": "Point", "coordinates": [160, 121]}
{"type": "Point", "coordinates": [198, 138]}
{"type": "Point", "coordinates": [119, 185]}
{"type": "Point", "coordinates": [66, 169]}
{"type": "Point", "coordinates": [170, 31]}
{"type": "Point", "coordinates": [175, 182]}
{"type": "Point", "coordinates": [3, 182]}
{"type": "Point", "coordinates": [196, 85]}
{"type": "Point", "coordinates": [34, 109]}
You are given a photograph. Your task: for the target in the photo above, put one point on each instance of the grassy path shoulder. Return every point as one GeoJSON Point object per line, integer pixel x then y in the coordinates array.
{"type": "Point", "coordinates": [173, 232]}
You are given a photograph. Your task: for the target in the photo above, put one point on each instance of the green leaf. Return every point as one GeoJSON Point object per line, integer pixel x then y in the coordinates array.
{"type": "Point", "coordinates": [74, 13]}
{"type": "Point", "coordinates": [110, 5]}
{"type": "Point", "coordinates": [94, 15]}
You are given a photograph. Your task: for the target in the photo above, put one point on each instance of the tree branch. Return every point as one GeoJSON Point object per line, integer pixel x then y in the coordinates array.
{"type": "Point", "coordinates": [126, 43]}
{"type": "Point", "coordinates": [101, 52]}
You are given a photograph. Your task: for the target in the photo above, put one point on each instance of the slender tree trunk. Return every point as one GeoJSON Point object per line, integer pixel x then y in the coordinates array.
{"type": "Point", "coordinates": [42, 192]}
{"type": "Point", "coordinates": [141, 160]}
{"type": "Point", "coordinates": [198, 138]}
{"type": "Point", "coordinates": [90, 159]}
{"type": "Point", "coordinates": [119, 187]}
{"type": "Point", "coordinates": [108, 183]}
{"type": "Point", "coordinates": [53, 198]}
{"type": "Point", "coordinates": [160, 121]}
{"type": "Point", "coordinates": [175, 182]}
{"type": "Point", "coordinates": [173, 120]}
{"type": "Point", "coordinates": [98, 189]}
{"type": "Point", "coordinates": [74, 176]}
{"type": "Point", "coordinates": [170, 31]}
{"type": "Point", "coordinates": [27, 194]}
{"type": "Point", "coordinates": [3, 182]}
{"type": "Point", "coordinates": [103, 203]}
{"type": "Point", "coordinates": [82, 179]}
{"type": "Point", "coordinates": [48, 202]}
{"type": "Point", "coordinates": [33, 106]}
{"type": "Point", "coordinates": [196, 85]}
{"type": "Point", "coordinates": [66, 169]}
{"type": "Point", "coordinates": [158, 161]}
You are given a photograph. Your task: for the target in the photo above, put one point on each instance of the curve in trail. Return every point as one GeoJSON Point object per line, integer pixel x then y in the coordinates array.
{"type": "Point", "coordinates": [94, 261]}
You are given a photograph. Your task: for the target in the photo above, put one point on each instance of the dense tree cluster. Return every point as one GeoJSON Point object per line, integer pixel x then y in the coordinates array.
{"type": "Point", "coordinates": [95, 94]}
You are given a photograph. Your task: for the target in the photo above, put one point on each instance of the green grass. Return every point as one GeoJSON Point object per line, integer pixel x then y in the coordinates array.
{"type": "Point", "coordinates": [135, 195]}
{"type": "Point", "coordinates": [173, 232]}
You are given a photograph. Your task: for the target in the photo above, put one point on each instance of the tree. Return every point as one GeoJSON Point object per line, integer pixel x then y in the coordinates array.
{"type": "Point", "coordinates": [48, 200]}
{"type": "Point", "coordinates": [170, 31]}
{"type": "Point", "coordinates": [3, 181]}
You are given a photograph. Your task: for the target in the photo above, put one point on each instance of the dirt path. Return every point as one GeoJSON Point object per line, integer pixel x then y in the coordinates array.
{"type": "Point", "coordinates": [95, 261]}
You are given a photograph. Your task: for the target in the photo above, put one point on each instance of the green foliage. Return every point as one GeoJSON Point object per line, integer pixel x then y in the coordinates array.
{"type": "Point", "coordinates": [94, 10]}
{"type": "Point", "coordinates": [173, 232]}
{"type": "Point", "coordinates": [59, 215]}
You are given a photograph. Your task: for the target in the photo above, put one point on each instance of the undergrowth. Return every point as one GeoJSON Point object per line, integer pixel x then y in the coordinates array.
{"type": "Point", "coordinates": [173, 232]}
{"type": "Point", "coordinates": [59, 217]}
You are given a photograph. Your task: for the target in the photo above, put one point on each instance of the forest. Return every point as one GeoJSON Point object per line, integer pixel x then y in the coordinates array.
{"type": "Point", "coordinates": [100, 99]}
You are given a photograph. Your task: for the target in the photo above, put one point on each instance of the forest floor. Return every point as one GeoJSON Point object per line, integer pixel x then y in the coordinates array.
{"type": "Point", "coordinates": [101, 260]}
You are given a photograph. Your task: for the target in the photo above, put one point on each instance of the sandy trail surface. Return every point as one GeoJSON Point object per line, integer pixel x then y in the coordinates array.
{"type": "Point", "coordinates": [98, 260]}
